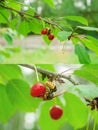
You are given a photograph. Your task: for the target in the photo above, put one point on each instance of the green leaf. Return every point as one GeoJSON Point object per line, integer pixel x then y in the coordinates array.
{"type": "Point", "coordinates": [31, 11]}
{"type": "Point", "coordinates": [63, 35]}
{"type": "Point", "coordinates": [36, 26]}
{"type": "Point", "coordinates": [66, 25]}
{"type": "Point", "coordinates": [55, 31]}
{"type": "Point", "coordinates": [79, 19]}
{"type": "Point", "coordinates": [24, 27]}
{"type": "Point", "coordinates": [8, 38]}
{"type": "Point", "coordinates": [19, 94]}
{"type": "Point", "coordinates": [45, 116]}
{"type": "Point", "coordinates": [75, 40]}
{"type": "Point", "coordinates": [50, 3]}
{"type": "Point", "coordinates": [8, 72]}
{"type": "Point", "coordinates": [14, 5]}
{"type": "Point", "coordinates": [45, 38]}
{"type": "Point", "coordinates": [88, 28]}
{"type": "Point", "coordinates": [91, 43]}
{"type": "Point", "coordinates": [88, 72]}
{"type": "Point", "coordinates": [6, 108]}
{"type": "Point", "coordinates": [82, 54]}
{"type": "Point", "coordinates": [87, 91]}
{"type": "Point", "coordinates": [4, 16]}
{"type": "Point", "coordinates": [94, 40]}
{"type": "Point", "coordinates": [75, 110]}
{"type": "Point", "coordinates": [13, 23]}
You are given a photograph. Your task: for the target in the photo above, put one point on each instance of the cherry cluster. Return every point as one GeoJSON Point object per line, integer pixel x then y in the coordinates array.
{"type": "Point", "coordinates": [39, 90]}
{"type": "Point", "coordinates": [47, 31]}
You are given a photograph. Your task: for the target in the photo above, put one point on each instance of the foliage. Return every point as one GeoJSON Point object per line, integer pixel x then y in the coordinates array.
{"type": "Point", "coordinates": [82, 54]}
{"type": "Point", "coordinates": [13, 15]}
{"type": "Point", "coordinates": [88, 72]}
{"type": "Point", "coordinates": [15, 96]}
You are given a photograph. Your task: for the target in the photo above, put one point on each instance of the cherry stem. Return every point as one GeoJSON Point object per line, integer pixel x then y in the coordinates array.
{"type": "Point", "coordinates": [36, 73]}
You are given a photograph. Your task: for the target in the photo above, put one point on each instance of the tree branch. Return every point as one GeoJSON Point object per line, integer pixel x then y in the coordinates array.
{"type": "Point", "coordinates": [22, 14]}
{"type": "Point", "coordinates": [50, 74]}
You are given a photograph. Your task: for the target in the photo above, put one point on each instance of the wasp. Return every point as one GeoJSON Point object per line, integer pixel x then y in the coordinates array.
{"type": "Point", "coordinates": [51, 88]}
{"type": "Point", "coordinates": [48, 95]}
{"type": "Point", "coordinates": [49, 31]}
{"type": "Point", "coordinates": [93, 103]}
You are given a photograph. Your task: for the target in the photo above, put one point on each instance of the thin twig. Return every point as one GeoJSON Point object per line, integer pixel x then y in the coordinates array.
{"type": "Point", "coordinates": [74, 30]}
{"type": "Point", "coordinates": [59, 94]}
{"type": "Point", "coordinates": [67, 70]}
{"type": "Point", "coordinates": [50, 74]}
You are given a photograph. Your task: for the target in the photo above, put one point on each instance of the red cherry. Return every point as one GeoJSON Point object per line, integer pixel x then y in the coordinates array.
{"type": "Point", "coordinates": [56, 112]}
{"type": "Point", "coordinates": [51, 37]}
{"type": "Point", "coordinates": [44, 31]}
{"type": "Point", "coordinates": [38, 90]}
